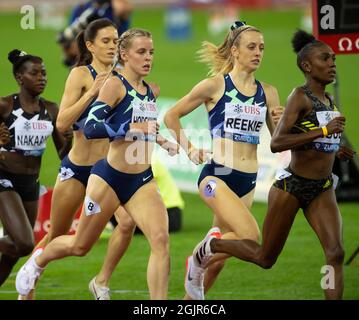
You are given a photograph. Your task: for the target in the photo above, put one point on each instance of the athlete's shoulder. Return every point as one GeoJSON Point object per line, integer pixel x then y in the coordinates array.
{"type": "Point", "coordinates": [5, 104]}
{"type": "Point", "coordinates": [79, 77]}
{"type": "Point", "coordinates": [268, 88]}
{"type": "Point", "coordinates": [113, 89]}
{"type": "Point", "coordinates": [298, 93]}
{"type": "Point", "coordinates": [51, 107]}
{"type": "Point", "coordinates": [49, 104]}
{"type": "Point", "coordinates": [114, 80]}
{"type": "Point", "coordinates": [211, 83]}
{"type": "Point", "coordinates": [215, 80]}
{"type": "Point", "coordinates": [80, 70]}
{"type": "Point", "coordinates": [6, 101]}
{"type": "Point", "coordinates": [299, 98]}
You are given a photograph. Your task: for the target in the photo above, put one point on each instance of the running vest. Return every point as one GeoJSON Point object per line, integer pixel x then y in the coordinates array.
{"type": "Point", "coordinates": [79, 124]}
{"type": "Point", "coordinates": [318, 117]}
{"type": "Point", "coordinates": [236, 116]}
{"type": "Point", "coordinates": [28, 131]}
{"type": "Point", "coordinates": [134, 107]}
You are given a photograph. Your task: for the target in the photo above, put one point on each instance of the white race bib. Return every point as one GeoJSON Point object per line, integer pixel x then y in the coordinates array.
{"type": "Point", "coordinates": [32, 134]}
{"type": "Point", "coordinates": [144, 111]}
{"type": "Point", "coordinates": [244, 119]}
{"type": "Point", "coordinates": [324, 117]}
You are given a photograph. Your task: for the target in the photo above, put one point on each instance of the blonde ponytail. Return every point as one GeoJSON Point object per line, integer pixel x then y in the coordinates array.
{"type": "Point", "coordinates": [219, 59]}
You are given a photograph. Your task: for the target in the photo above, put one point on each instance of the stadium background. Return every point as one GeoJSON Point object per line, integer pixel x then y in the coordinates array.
{"type": "Point", "coordinates": [297, 272]}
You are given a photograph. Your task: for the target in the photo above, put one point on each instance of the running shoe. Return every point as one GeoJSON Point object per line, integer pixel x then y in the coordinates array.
{"type": "Point", "coordinates": [99, 292]}
{"type": "Point", "coordinates": [194, 280]}
{"type": "Point", "coordinates": [202, 252]}
{"type": "Point", "coordinates": [28, 274]}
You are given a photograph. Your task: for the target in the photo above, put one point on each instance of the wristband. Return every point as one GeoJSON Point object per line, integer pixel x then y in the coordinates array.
{"type": "Point", "coordinates": [325, 131]}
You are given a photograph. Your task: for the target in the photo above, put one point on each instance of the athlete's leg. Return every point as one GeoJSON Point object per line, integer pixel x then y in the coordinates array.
{"type": "Point", "coordinates": [99, 208]}
{"type": "Point", "coordinates": [67, 197]}
{"type": "Point", "coordinates": [232, 216]}
{"type": "Point", "coordinates": [324, 217]}
{"type": "Point", "coordinates": [231, 212]}
{"type": "Point", "coordinates": [216, 264]}
{"type": "Point", "coordinates": [90, 226]}
{"type": "Point", "coordinates": [19, 240]}
{"type": "Point", "coordinates": [7, 262]}
{"type": "Point", "coordinates": [149, 213]}
{"type": "Point", "coordinates": [117, 246]}
{"type": "Point", "coordinates": [282, 209]}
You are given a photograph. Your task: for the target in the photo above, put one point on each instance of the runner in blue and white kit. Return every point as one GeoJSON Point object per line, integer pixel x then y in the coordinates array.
{"type": "Point", "coordinates": [126, 112]}
{"type": "Point", "coordinates": [238, 105]}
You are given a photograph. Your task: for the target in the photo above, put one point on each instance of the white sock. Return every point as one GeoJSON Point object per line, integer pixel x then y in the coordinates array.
{"type": "Point", "coordinates": [35, 265]}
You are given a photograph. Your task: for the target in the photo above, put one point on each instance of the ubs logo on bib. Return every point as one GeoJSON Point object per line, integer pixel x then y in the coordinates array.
{"type": "Point", "coordinates": [238, 108]}
{"type": "Point", "coordinates": [27, 126]}
{"type": "Point", "coordinates": [247, 109]}
{"type": "Point", "coordinates": [39, 125]}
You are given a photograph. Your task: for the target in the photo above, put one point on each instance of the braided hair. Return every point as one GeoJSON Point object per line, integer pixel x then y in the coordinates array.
{"type": "Point", "coordinates": [126, 38]}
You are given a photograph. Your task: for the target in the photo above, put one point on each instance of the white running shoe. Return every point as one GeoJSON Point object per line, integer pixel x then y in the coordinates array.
{"type": "Point", "coordinates": [202, 252]}
{"type": "Point", "coordinates": [99, 292]}
{"type": "Point", "coordinates": [193, 281]}
{"type": "Point", "coordinates": [28, 274]}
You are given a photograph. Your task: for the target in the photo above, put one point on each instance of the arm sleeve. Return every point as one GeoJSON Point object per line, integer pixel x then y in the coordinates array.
{"type": "Point", "coordinates": [97, 128]}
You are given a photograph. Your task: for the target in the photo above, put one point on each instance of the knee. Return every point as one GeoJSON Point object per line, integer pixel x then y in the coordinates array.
{"type": "Point", "coordinates": [267, 262]}
{"type": "Point", "coordinates": [159, 242]}
{"type": "Point", "coordinates": [126, 228]}
{"type": "Point", "coordinates": [79, 250]}
{"type": "Point", "coordinates": [335, 255]}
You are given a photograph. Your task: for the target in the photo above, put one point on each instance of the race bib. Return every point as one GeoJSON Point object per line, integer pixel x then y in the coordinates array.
{"type": "Point", "coordinates": [31, 135]}
{"type": "Point", "coordinates": [332, 141]}
{"type": "Point", "coordinates": [144, 111]}
{"type": "Point", "coordinates": [241, 120]}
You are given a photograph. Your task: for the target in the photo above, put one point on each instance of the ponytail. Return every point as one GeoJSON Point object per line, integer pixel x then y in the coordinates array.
{"type": "Point", "coordinates": [219, 59]}
{"type": "Point", "coordinates": [84, 57]}
{"type": "Point", "coordinates": [89, 34]}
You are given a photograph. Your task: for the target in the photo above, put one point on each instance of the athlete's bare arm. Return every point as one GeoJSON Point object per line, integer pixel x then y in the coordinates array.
{"type": "Point", "coordinates": [203, 92]}
{"type": "Point", "coordinates": [298, 104]}
{"type": "Point", "coordinates": [62, 141]}
{"type": "Point", "coordinates": [80, 89]}
{"type": "Point", "coordinates": [273, 104]}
